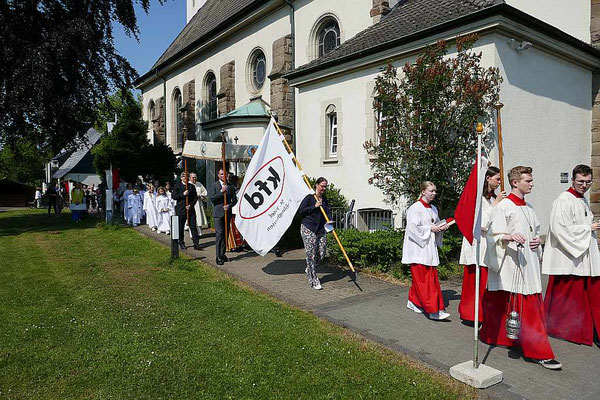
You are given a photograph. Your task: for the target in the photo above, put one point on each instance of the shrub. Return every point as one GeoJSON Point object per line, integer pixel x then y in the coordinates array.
{"type": "Point", "coordinates": [381, 251]}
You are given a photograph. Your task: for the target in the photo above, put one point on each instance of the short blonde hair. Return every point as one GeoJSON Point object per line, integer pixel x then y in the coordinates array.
{"type": "Point", "coordinates": [426, 184]}
{"type": "Point", "coordinates": [515, 173]}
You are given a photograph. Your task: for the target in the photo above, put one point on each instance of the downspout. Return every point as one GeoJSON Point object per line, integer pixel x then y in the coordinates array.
{"type": "Point", "coordinates": [293, 37]}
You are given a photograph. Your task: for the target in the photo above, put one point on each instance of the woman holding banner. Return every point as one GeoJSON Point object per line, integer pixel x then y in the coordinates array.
{"type": "Point", "coordinates": [422, 237]}
{"type": "Point", "coordinates": [466, 307]}
{"type": "Point", "coordinates": [313, 230]}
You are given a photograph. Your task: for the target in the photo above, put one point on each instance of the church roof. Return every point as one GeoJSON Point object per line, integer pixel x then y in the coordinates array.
{"type": "Point", "coordinates": [411, 20]}
{"type": "Point", "coordinates": [77, 161]}
{"type": "Point", "coordinates": [210, 19]}
{"type": "Point", "coordinates": [255, 108]}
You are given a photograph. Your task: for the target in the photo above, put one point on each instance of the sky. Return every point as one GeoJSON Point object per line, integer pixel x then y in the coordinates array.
{"type": "Point", "coordinates": [158, 29]}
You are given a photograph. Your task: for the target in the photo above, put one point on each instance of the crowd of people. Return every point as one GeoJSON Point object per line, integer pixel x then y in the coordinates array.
{"type": "Point", "coordinates": [58, 196]}
{"type": "Point", "coordinates": [512, 311]}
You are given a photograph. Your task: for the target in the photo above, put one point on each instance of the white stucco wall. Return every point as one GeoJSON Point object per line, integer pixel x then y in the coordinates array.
{"type": "Point", "coordinates": [570, 16]}
{"type": "Point", "coordinates": [192, 8]}
{"type": "Point", "coordinates": [546, 122]}
{"type": "Point", "coordinates": [352, 16]}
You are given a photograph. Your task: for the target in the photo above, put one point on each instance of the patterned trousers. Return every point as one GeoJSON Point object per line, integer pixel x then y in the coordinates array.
{"type": "Point", "coordinates": [315, 252]}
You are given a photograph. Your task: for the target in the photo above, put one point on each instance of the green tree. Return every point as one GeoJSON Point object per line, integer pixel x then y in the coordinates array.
{"type": "Point", "coordinates": [58, 62]}
{"type": "Point", "coordinates": [23, 161]}
{"type": "Point", "coordinates": [126, 147]}
{"type": "Point", "coordinates": [426, 121]}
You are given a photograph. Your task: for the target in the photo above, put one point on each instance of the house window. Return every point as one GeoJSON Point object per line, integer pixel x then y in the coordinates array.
{"type": "Point", "coordinates": [210, 97]}
{"type": "Point", "coordinates": [178, 117]}
{"type": "Point", "coordinates": [328, 36]}
{"type": "Point", "coordinates": [332, 132]}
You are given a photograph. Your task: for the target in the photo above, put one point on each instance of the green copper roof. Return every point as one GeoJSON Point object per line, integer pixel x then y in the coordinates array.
{"type": "Point", "coordinates": [255, 108]}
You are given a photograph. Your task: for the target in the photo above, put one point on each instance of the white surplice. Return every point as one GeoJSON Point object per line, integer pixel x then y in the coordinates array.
{"type": "Point", "coordinates": [164, 207]}
{"type": "Point", "coordinates": [467, 250]}
{"type": "Point", "coordinates": [125, 203]}
{"type": "Point", "coordinates": [201, 219]}
{"type": "Point", "coordinates": [420, 244]}
{"type": "Point", "coordinates": [134, 205]}
{"type": "Point", "coordinates": [150, 209]}
{"type": "Point", "coordinates": [503, 258]}
{"type": "Point", "coordinates": [571, 246]}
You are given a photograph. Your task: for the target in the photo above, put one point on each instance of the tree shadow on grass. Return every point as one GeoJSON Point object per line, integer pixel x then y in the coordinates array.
{"type": "Point", "coordinates": [18, 223]}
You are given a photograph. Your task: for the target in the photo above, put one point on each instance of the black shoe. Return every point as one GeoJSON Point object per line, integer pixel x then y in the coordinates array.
{"type": "Point", "coordinates": [225, 259]}
{"type": "Point", "coordinates": [197, 246]}
{"type": "Point", "coordinates": [220, 261]}
{"type": "Point", "coordinates": [182, 246]}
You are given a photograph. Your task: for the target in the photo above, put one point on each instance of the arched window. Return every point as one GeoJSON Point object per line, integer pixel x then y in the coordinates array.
{"type": "Point", "coordinates": [178, 117]}
{"type": "Point", "coordinates": [328, 36]}
{"type": "Point", "coordinates": [210, 97]}
{"type": "Point", "coordinates": [332, 131]}
{"type": "Point", "coordinates": [152, 118]}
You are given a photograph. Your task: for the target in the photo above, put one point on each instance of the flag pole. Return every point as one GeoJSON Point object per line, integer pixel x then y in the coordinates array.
{"type": "Point", "coordinates": [225, 178]}
{"type": "Point", "coordinates": [479, 131]}
{"type": "Point", "coordinates": [187, 210]}
{"type": "Point", "coordinates": [498, 106]}
{"type": "Point", "coordinates": [289, 149]}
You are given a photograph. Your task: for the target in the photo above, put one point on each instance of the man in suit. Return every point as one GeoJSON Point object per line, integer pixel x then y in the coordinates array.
{"type": "Point", "coordinates": [216, 193]}
{"type": "Point", "coordinates": [181, 191]}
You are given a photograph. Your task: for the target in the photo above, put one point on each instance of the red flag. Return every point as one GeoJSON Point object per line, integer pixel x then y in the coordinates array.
{"type": "Point", "coordinates": [465, 210]}
{"type": "Point", "coordinates": [115, 178]}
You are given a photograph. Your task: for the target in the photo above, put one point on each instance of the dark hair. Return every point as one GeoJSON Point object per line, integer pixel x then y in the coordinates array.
{"type": "Point", "coordinates": [321, 179]}
{"type": "Point", "coordinates": [491, 171]}
{"type": "Point", "coordinates": [582, 169]}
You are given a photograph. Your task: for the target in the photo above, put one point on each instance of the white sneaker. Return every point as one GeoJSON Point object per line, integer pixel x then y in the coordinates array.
{"type": "Point", "coordinates": [168, 232]}
{"type": "Point", "coordinates": [440, 315]}
{"type": "Point", "coordinates": [412, 306]}
{"type": "Point", "coordinates": [317, 286]}
{"type": "Point", "coordinates": [550, 364]}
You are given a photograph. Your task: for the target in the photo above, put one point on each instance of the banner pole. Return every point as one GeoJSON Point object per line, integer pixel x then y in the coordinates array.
{"type": "Point", "coordinates": [289, 149]}
{"type": "Point", "coordinates": [225, 179]}
{"type": "Point", "coordinates": [479, 130]}
{"type": "Point", "coordinates": [498, 106]}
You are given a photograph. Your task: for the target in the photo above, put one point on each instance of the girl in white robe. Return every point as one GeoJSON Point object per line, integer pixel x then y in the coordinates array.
{"type": "Point", "coordinates": [124, 201]}
{"type": "Point", "coordinates": [150, 208]}
{"type": "Point", "coordinates": [164, 208]}
{"type": "Point", "coordinates": [422, 237]}
{"type": "Point", "coordinates": [466, 307]}
{"type": "Point", "coordinates": [134, 206]}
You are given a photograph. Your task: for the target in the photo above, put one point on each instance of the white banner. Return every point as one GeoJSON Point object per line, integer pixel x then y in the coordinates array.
{"type": "Point", "coordinates": [273, 189]}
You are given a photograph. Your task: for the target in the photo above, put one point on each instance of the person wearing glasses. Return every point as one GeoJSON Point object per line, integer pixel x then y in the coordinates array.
{"type": "Point", "coordinates": [313, 230]}
{"type": "Point", "coordinates": [572, 261]}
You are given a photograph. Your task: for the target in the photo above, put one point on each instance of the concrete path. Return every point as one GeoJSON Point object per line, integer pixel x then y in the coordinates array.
{"type": "Point", "coordinates": [377, 310]}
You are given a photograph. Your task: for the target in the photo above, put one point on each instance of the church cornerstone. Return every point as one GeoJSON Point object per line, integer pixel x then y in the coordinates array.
{"type": "Point", "coordinates": [281, 92]}
{"type": "Point", "coordinates": [380, 8]}
{"type": "Point", "coordinates": [226, 95]}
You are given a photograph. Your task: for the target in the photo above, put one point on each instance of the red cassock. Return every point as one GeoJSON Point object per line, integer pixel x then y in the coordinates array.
{"type": "Point", "coordinates": [425, 291]}
{"type": "Point", "coordinates": [533, 337]}
{"type": "Point", "coordinates": [466, 307]}
{"type": "Point", "coordinates": [573, 307]}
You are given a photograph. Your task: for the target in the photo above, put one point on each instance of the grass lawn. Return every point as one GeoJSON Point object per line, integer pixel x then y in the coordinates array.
{"type": "Point", "coordinates": [90, 312]}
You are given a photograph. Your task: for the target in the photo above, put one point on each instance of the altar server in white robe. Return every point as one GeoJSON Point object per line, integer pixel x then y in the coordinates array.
{"type": "Point", "coordinates": [125, 199]}
{"type": "Point", "coordinates": [134, 205]}
{"type": "Point", "coordinates": [572, 259]}
{"type": "Point", "coordinates": [466, 307]}
{"type": "Point", "coordinates": [164, 208]}
{"type": "Point", "coordinates": [422, 237]}
{"type": "Point", "coordinates": [150, 207]}
{"type": "Point", "coordinates": [202, 193]}
{"type": "Point", "coordinates": [514, 279]}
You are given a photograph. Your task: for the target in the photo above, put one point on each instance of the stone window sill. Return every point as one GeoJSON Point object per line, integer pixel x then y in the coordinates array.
{"type": "Point", "coordinates": [330, 161]}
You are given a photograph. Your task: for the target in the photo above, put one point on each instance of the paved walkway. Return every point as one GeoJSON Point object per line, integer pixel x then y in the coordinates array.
{"type": "Point", "coordinates": [377, 310]}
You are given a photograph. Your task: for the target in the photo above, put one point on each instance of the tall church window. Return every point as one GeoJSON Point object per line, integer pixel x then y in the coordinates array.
{"type": "Point", "coordinates": [259, 69]}
{"type": "Point", "coordinates": [328, 36]}
{"type": "Point", "coordinates": [210, 96]}
{"type": "Point", "coordinates": [332, 131]}
{"type": "Point", "coordinates": [178, 117]}
{"type": "Point", "coordinates": [151, 118]}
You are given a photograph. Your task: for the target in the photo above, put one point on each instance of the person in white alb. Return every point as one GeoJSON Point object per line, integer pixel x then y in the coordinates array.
{"type": "Point", "coordinates": [466, 307]}
{"type": "Point", "coordinates": [201, 220]}
{"type": "Point", "coordinates": [422, 237]}
{"type": "Point", "coordinates": [572, 259]}
{"type": "Point", "coordinates": [514, 279]}
{"type": "Point", "coordinates": [164, 208]}
{"type": "Point", "coordinates": [150, 207]}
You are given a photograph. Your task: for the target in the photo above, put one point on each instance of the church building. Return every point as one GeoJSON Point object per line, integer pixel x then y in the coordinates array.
{"type": "Point", "coordinates": [314, 64]}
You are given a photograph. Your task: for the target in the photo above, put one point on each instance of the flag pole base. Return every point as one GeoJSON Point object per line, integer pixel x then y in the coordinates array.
{"type": "Point", "coordinates": [480, 377]}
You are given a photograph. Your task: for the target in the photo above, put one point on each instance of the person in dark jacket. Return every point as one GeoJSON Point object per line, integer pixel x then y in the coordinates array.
{"type": "Point", "coordinates": [216, 194]}
{"type": "Point", "coordinates": [181, 191]}
{"type": "Point", "coordinates": [313, 230]}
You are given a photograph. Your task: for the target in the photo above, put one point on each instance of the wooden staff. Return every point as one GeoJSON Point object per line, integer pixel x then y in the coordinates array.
{"type": "Point", "coordinates": [225, 193]}
{"type": "Point", "coordinates": [498, 106]}
{"type": "Point", "coordinates": [187, 210]}
{"type": "Point", "coordinates": [289, 149]}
